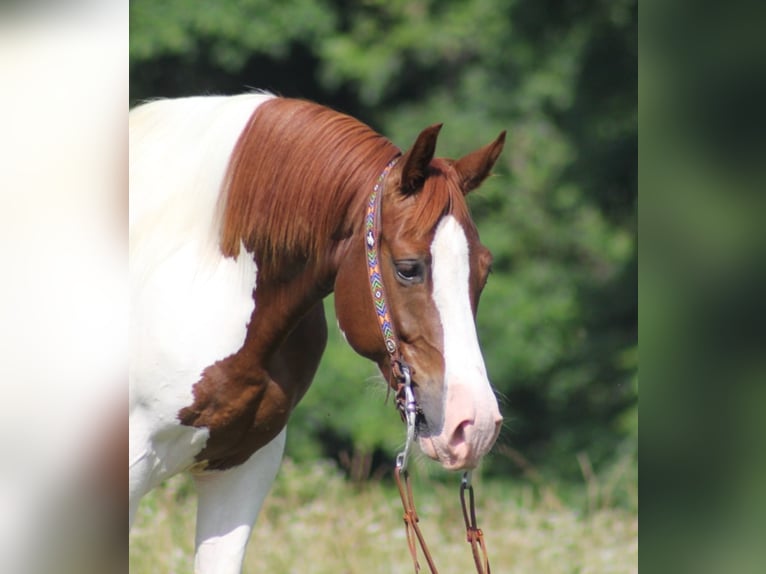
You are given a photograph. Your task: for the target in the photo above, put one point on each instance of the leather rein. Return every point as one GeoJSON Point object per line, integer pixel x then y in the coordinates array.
{"type": "Point", "coordinates": [401, 382]}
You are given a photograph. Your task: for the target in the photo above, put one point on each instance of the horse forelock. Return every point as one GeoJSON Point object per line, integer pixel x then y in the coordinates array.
{"type": "Point", "coordinates": [441, 195]}
{"type": "Point", "coordinates": [298, 175]}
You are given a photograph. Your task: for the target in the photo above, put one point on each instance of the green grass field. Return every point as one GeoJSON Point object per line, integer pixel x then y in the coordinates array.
{"type": "Point", "coordinates": [314, 521]}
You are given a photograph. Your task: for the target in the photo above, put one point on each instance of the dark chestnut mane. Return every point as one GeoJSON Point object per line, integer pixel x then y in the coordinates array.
{"type": "Point", "coordinates": [297, 173]}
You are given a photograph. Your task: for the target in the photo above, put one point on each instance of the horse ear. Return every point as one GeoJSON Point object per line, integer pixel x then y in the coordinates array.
{"type": "Point", "coordinates": [416, 160]}
{"type": "Point", "coordinates": [476, 166]}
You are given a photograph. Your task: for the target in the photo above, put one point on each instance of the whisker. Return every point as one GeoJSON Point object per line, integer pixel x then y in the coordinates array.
{"type": "Point", "coordinates": [502, 397]}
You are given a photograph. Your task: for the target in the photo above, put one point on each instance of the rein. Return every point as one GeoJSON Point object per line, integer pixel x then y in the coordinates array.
{"type": "Point", "coordinates": [401, 382]}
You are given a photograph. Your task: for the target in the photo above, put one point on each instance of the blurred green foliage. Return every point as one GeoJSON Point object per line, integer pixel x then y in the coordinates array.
{"type": "Point", "coordinates": [702, 284]}
{"type": "Point", "coordinates": [558, 320]}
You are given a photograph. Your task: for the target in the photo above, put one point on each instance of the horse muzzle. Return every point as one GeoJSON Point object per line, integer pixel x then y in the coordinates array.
{"type": "Point", "coordinates": [472, 423]}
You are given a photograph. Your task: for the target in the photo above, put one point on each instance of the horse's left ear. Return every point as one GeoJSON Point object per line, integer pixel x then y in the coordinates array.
{"type": "Point", "coordinates": [477, 165]}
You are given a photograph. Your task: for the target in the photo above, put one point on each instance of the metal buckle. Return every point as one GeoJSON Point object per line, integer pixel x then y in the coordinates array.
{"type": "Point", "coordinates": [410, 414]}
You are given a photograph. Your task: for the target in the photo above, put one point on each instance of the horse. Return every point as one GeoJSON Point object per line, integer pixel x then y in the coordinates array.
{"type": "Point", "coordinates": [246, 211]}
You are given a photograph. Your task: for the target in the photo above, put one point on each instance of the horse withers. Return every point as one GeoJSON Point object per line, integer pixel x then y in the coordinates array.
{"type": "Point", "coordinates": [245, 212]}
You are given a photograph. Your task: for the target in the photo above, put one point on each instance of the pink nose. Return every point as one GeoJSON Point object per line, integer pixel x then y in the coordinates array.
{"type": "Point", "coordinates": [458, 437]}
{"type": "Point", "coordinates": [465, 448]}
{"type": "Point", "coordinates": [472, 423]}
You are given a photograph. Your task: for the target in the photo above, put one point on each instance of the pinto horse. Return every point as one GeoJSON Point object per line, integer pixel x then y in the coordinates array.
{"type": "Point", "coordinates": [245, 212]}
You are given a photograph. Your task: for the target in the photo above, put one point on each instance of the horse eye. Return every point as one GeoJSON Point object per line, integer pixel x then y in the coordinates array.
{"type": "Point", "coordinates": [409, 272]}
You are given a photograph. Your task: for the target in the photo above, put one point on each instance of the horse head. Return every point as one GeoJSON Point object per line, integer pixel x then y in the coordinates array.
{"type": "Point", "coordinates": [434, 268]}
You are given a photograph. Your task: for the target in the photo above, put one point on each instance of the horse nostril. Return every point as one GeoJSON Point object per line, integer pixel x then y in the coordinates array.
{"type": "Point", "coordinates": [459, 435]}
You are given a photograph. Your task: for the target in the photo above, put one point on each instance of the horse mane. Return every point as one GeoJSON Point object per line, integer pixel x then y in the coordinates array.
{"type": "Point", "coordinates": [298, 176]}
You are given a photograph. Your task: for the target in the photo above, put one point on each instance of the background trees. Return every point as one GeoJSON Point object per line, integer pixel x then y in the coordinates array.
{"type": "Point", "coordinates": [558, 319]}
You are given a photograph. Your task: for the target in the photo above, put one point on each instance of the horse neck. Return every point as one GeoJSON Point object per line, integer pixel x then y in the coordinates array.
{"type": "Point", "coordinates": [290, 287]}
{"type": "Point", "coordinates": [294, 198]}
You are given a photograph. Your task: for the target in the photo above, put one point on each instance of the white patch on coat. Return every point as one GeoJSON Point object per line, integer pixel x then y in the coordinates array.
{"type": "Point", "coordinates": [229, 503]}
{"type": "Point", "coordinates": [190, 306]}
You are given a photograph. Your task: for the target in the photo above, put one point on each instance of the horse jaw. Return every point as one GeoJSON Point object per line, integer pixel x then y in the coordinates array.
{"type": "Point", "coordinates": [471, 417]}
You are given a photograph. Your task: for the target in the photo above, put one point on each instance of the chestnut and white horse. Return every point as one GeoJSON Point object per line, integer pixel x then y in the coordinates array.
{"type": "Point", "coordinates": [245, 212]}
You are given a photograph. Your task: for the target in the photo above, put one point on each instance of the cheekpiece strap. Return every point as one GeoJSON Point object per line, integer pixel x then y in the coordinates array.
{"type": "Point", "coordinates": [371, 234]}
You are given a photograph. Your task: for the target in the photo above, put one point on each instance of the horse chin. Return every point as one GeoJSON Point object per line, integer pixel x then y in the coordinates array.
{"type": "Point", "coordinates": [427, 448]}
{"type": "Point", "coordinates": [448, 462]}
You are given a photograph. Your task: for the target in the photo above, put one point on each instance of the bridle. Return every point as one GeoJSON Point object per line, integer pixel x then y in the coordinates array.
{"type": "Point", "coordinates": [401, 372]}
{"type": "Point", "coordinates": [401, 383]}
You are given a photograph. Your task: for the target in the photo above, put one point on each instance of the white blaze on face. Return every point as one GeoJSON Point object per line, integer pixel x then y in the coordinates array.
{"type": "Point", "coordinates": [471, 415]}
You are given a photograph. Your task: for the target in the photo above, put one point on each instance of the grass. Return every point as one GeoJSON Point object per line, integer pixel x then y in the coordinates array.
{"type": "Point", "coordinates": [314, 521]}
